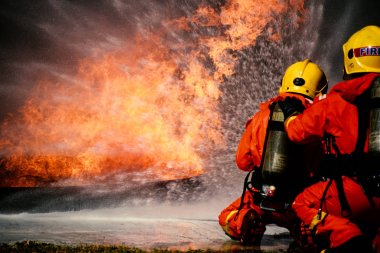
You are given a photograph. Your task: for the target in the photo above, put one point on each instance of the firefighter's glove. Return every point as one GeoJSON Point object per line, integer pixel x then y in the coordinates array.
{"type": "Point", "coordinates": [291, 106]}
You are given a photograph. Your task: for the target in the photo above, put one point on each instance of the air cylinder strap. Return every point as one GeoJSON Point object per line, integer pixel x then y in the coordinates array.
{"type": "Point", "coordinates": [247, 182]}
{"type": "Point", "coordinates": [337, 177]}
{"type": "Point", "coordinates": [337, 169]}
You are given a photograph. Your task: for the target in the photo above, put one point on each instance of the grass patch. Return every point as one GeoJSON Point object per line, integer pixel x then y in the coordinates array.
{"type": "Point", "coordinates": [40, 247]}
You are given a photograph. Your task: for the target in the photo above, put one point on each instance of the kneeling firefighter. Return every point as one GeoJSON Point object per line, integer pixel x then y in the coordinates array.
{"type": "Point", "coordinates": [343, 212]}
{"type": "Point", "coordinates": [277, 171]}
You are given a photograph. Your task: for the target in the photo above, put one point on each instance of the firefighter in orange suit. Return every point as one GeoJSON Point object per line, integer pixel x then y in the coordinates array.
{"type": "Point", "coordinates": [243, 219]}
{"type": "Point", "coordinates": [344, 210]}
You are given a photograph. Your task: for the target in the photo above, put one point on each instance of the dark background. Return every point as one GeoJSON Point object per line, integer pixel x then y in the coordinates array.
{"type": "Point", "coordinates": [341, 19]}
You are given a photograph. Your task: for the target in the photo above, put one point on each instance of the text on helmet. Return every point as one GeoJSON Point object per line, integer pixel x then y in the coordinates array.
{"type": "Point", "coordinates": [367, 51]}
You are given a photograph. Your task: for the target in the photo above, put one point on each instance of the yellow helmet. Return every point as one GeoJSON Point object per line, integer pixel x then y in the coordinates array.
{"type": "Point", "coordinates": [304, 77]}
{"type": "Point", "coordinates": [362, 51]}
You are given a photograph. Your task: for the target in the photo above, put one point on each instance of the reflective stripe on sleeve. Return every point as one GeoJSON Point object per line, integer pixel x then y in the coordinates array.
{"type": "Point", "coordinates": [288, 120]}
{"type": "Point", "coordinates": [316, 220]}
{"type": "Point", "coordinates": [226, 227]}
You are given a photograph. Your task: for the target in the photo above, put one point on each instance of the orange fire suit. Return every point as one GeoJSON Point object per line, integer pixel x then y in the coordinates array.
{"type": "Point", "coordinates": [248, 156]}
{"type": "Point", "coordinates": [337, 116]}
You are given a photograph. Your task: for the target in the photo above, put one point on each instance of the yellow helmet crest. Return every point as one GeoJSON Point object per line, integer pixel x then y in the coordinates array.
{"type": "Point", "coordinates": [304, 77]}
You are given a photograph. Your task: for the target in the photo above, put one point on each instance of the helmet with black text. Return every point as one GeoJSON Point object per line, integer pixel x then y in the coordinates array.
{"type": "Point", "coordinates": [305, 78]}
{"type": "Point", "coordinates": [362, 51]}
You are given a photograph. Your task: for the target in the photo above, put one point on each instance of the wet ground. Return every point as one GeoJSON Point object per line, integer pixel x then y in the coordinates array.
{"type": "Point", "coordinates": [181, 227]}
{"type": "Point", "coordinates": [132, 217]}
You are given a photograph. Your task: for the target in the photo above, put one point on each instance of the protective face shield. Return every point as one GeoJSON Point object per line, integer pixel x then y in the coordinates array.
{"type": "Point", "coordinates": [304, 77]}
{"type": "Point", "coordinates": [362, 51]}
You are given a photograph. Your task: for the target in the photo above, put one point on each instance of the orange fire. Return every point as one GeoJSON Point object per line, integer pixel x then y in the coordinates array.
{"type": "Point", "coordinates": [149, 109]}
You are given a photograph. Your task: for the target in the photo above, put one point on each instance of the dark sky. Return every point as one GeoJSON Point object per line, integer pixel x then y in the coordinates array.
{"type": "Point", "coordinates": [50, 36]}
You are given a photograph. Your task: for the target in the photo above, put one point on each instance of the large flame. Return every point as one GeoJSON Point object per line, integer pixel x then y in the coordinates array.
{"type": "Point", "coordinates": [149, 108]}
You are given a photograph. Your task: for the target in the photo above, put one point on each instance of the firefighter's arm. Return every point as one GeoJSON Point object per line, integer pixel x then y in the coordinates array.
{"type": "Point", "coordinates": [243, 153]}
{"type": "Point", "coordinates": [307, 126]}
